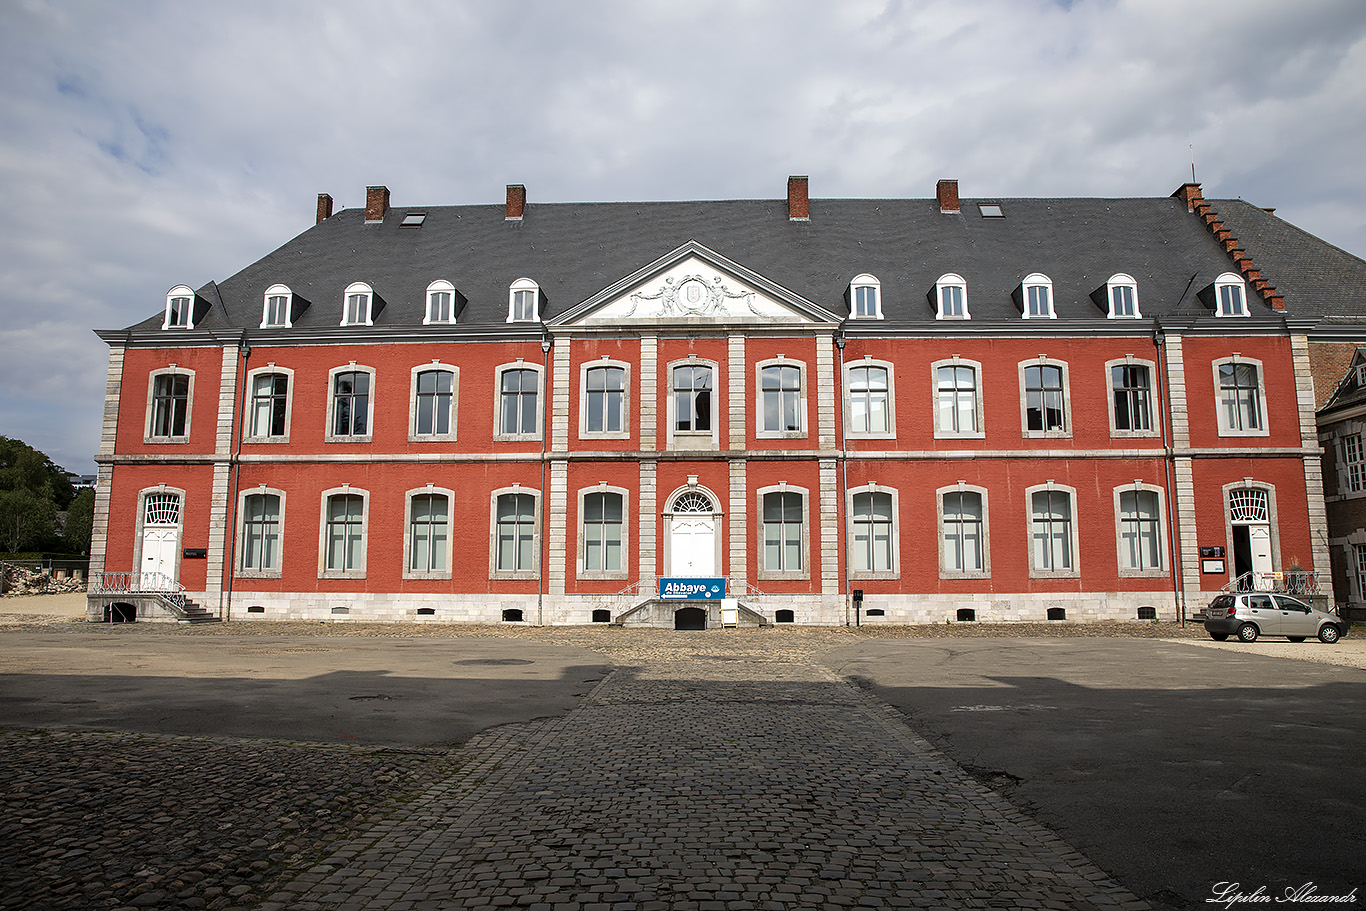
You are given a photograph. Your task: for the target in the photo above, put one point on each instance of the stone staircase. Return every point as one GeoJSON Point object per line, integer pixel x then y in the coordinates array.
{"type": "Point", "coordinates": [659, 613]}
{"type": "Point", "coordinates": [193, 613]}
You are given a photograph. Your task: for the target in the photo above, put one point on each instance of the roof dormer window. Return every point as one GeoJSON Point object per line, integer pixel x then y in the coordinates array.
{"type": "Point", "coordinates": [865, 297]}
{"type": "Point", "coordinates": [1038, 297]}
{"type": "Point", "coordinates": [524, 301]}
{"type": "Point", "coordinates": [358, 305]}
{"type": "Point", "coordinates": [440, 303]}
{"type": "Point", "coordinates": [278, 307]}
{"type": "Point", "coordinates": [1122, 292]}
{"type": "Point", "coordinates": [179, 308]}
{"type": "Point", "coordinates": [1231, 295]}
{"type": "Point", "coordinates": [951, 292]}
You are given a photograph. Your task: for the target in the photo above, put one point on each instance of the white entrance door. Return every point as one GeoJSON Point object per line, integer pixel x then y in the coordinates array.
{"type": "Point", "coordinates": [1259, 537]}
{"type": "Point", "coordinates": [692, 545]}
{"type": "Point", "coordinates": [158, 557]}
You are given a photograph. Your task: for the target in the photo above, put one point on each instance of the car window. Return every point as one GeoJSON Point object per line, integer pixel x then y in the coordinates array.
{"type": "Point", "coordinates": [1259, 602]}
{"type": "Point", "coordinates": [1223, 602]}
{"type": "Point", "coordinates": [1285, 603]}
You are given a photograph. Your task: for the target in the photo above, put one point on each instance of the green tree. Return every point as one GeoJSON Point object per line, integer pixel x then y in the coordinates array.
{"type": "Point", "coordinates": [80, 519]}
{"type": "Point", "coordinates": [24, 468]}
{"type": "Point", "coordinates": [27, 521]}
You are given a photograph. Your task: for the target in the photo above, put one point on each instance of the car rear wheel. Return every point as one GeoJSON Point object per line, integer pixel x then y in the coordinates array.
{"type": "Point", "coordinates": [1296, 638]}
{"type": "Point", "coordinates": [1248, 632]}
{"type": "Point", "coordinates": [1218, 637]}
{"type": "Point", "coordinates": [1329, 634]}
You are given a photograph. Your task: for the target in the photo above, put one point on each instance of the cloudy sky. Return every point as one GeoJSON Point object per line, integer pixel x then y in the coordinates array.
{"type": "Point", "coordinates": [146, 144]}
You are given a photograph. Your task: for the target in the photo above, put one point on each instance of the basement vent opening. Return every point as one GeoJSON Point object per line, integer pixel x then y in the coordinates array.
{"type": "Point", "coordinates": [966, 615]}
{"type": "Point", "coordinates": [512, 615]}
{"type": "Point", "coordinates": [1147, 613]}
{"type": "Point", "coordinates": [1057, 613]}
{"type": "Point", "coordinates": [256, 609]}
{"type": "Point", "coordinates": [782, 616]}
{"type": "Point", "coordinates": [426, 612]}
{"type": "Point", "coordinates": [413, 220]}
{"type": "Point", "coordinates": [120, 612]}
{"type": "Point", "coordinates": [990, 210]}
{"type": "Point", "coordinates": [876, 612]}
{"type": "Point", "coordinates": [602, 616]}
{"type": "Point", "coordinates": [341, 610]}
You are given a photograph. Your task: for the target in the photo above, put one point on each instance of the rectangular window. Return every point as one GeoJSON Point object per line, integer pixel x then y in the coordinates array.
{"type": "Point", "coordinates": [428, 533]}
{"type": "Point", "coordinates": [1139, 537]}
{"type": "Point", "coordinates": [869, 405]}
{"type": "Point", "coordinates": [957, 399]}
{"type": "Point", "coordinates": [344, 537]}
{"type": "Point", "coordinates": [269, 404]}
{"type": "Point", "coordinates": [434, 393]}
{"type": "Point", "coordinates": [1044, 398]}
{"type": "Point", "coordinates": [602, 532]}
{"type": "Point", "coordinates": [179, 314]}
{"type": "Point", "coordinates": [261, 532]}
{"type": "Point", "coordinates": [1132, 400]}
{"type": "Point", "coordinates": [605, 399]}
{"type": "Point", "coordinates": [1039, 304]}
{"type": "Point", "coordinates": [351, 403]}
{"type": "Point", "coordinates": [1122, 301]}
{"type": "Point", "coordinates": [1359, 551]}
{"type": "Point", "coordinates": [1051, 530]}
{"type": "Point", "coordinates": [357, 308]}
{"type": "Point", "coordinates": [170, 404]}
{"type": "Point", "coordinates": [1240, 396]}
{"type": "Point", "coordinates": [524, 305]}
{"type": "Point", "coordinates": [951, 302]}
{"type": "Point", "coordinates": [963, 532]}
{"type": "Point", "coordinates": [518, 402]}
{"type": "Point", "coordinates": [692, 398]}
{"type": "Point", "coordinates": [781, 388]}
{"type": "Point", "coordinates": [1352, 459]}
{"type": "Point", "coordinates": [783, 532]}
{"type": "Point", "coordinates": [865, 302]}
{"type": "Point", "coordinates": [439, 307]}
{"type": "Point", "coordinates": [277, 310]}
{"type": "Point", "coordinates": [872, 519]}
{"type": "Point", "coordinates": [1230, 300]}
{"type": "Point", "coordinates": [515, 533]}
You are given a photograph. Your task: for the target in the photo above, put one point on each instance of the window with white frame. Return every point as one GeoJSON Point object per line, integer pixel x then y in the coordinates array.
{"type": "Point", "coordinates": [524, 301]}
{"type": "Point", "coordinates": [872, 533]}
{"type": "Point", "coordinates": [782, 398]}
{"type": "Point", "coordinates": [1131, 397]}
{"type": "Point", "coordinates": [1242, 410]}
{"type": "Point", "coordinates": [440, 303]}
{"type": "Point", "coordinates": [1038, 297]}
{"type": "Point", "coordinates": [170, 395]}
{"type": "Point", "coordinates": [352, 404]}
{"type": "Point", "coordinates": [602, 403]}
{"type": "Point", "coordinates": [434, 403]}
{"type": "Point", "coordinates": [179, 308]}
{"type": "Point", "coordinates": [865, 297]}
{"type": "Point", "coordinates": [358, 305]}
{"type": "Point", "coordinates": [1052, 531]}
{"type": "Point", "coordinates": [602, 533]}
{"type": "Point", "coordinates": [427, 549]}
{"type": "Point", "coordinates": [1139, 510]}
{"type": "Point", "coordinates": [270, 405]}
{"type": "Point", "coordinates": [963, 532]}
{"type": "Point", "coordinates": [343, 533]}
{"type": "Point", "coordinates": [782, 530]}
{"type": "Point", "coordinates": [1353, 463]}
{"type": "Point", "coordinates": [514, 534]}
{"type": "Point", "coordinates": [1230, 295]}
{"type": "Point", "coordinates": [951, 293]}
{"type": "Point", "coordinates": [1122, 292]}
{"type": "Point", "coordinates": [1045, 406]}
{"type": "Point", "coordinates": [692, 397]}
{"type": "Point", "coordinates": [276, 314]}
{"type": "Point", "coordinates": [1359, 551]}
{"type": "Point", "coordinates": [958, 400]}
{"type": "Point", "coordinates": [519, 402]}
{"type": "Point", "coordinates": [868, 387]}
{"type": "Point", "coordinates": [262, 514]}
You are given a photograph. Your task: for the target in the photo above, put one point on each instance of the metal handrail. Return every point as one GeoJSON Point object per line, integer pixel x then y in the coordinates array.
{"type": "Point", "coordinates": [1298, 582]}
{"type": "Point", "coordinates": [159, 585]}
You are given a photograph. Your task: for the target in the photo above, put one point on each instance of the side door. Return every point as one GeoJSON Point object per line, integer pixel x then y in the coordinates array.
{"type": "Point", "coordinates": [1262, 611]}
{"type": "Point", "coordinates": [1296, 619]}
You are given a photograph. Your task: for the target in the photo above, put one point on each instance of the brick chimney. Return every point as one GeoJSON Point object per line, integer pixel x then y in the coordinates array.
{"type": "Point", "coordinates": [376, 203]}
{"type": "Point", "coordinates": [798, 199]}
{"type": "Point", "coordinates": [324, 208]}
{"type": "Point", "coordinates": [516, 204]}
{"type": "Point", "coordinates": [1189, 193]}
{"type": "Point", "coordinates": [947, 193]}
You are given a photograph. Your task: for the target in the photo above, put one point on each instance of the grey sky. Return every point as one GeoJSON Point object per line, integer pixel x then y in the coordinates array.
{"type": "Point", "coordinates": [145, 144]}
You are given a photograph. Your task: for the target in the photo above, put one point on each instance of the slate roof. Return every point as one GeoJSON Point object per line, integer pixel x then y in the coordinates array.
{"type": "Point", "coordinates": [574, 250]}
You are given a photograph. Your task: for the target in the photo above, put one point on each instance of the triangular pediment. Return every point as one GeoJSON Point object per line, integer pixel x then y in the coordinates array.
{"type": "Point", "coordinates": [694, 285]}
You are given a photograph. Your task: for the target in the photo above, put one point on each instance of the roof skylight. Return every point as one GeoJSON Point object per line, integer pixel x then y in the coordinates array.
{"type": "Point", "coordinates": [413, 220]}
{"type": "Point", "coordinates": [990, 210]}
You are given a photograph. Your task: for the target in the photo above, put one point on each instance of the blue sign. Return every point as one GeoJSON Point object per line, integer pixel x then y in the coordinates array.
{"type": "Point", "coordinates": [692, 589]}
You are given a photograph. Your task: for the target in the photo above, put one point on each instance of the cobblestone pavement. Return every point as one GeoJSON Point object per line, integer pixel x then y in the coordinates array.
{"type": "Point", "coordinates": [705, 774]}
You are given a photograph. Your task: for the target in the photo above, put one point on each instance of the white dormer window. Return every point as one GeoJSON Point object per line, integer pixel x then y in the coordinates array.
{"type": "Point", "coordinates": [278, 306]}
{"type": "Point", "coordinates": [951, 291]}
{"type": "Point", "coordinates": [865, 297]}
{"type": "Point", "coordinates": [179, 308]}
{"type": "Point", "coordinates": [524, 301]}
{"type": "Point", "coordinates": [1038, 297]}
{"type": "Point", "coordinates": [358, 307]}
{"type": "Point", "coordinates": [440, 303]}
{"type": "Point", "coordinates": [1231, 295]}
{"type": "Point", "coordinates": [1122, 292]}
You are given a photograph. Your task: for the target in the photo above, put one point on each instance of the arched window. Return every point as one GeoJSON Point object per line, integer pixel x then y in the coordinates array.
{"type": "Point", "coordinates": [524, 301]}
{"type": "Point", "coordinates": [358, 305]}
{"type": "Point", "coordinates": [951, 293]}
{"type": "Point", "coordinates": [1038, 297]}
{"type": "Point", "coordinates": [865, 297]}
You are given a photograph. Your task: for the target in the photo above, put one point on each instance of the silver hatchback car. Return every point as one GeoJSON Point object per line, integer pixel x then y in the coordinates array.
{"type": "Point", "coordinates": [1254, 614]}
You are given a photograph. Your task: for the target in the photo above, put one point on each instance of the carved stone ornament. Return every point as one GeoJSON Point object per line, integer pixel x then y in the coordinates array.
{"type": "Point", "coordinates": [693, 295]}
